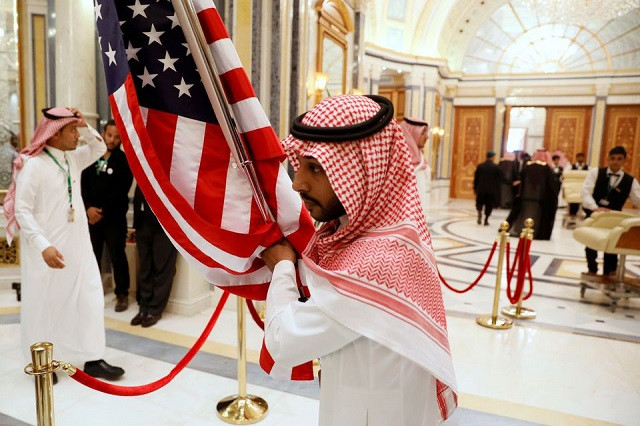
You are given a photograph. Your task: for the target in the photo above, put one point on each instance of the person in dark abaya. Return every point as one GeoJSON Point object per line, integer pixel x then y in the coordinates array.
{"type": "Point", "coordinates": [538, 198]}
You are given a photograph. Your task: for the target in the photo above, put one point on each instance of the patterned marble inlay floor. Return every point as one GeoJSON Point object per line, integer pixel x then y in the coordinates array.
{"type": "Point", "coordinates": [575, 364]}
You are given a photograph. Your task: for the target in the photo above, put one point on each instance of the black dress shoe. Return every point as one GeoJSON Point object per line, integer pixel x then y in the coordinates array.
{"type": "Point", "coordinates": [122, 302]}
{"type": "Point", "coordinates": [150, 319]}
{"type": "Point", "coordinates": [102, 369]}
{"type": "Point", "coordinates": [137, 320]}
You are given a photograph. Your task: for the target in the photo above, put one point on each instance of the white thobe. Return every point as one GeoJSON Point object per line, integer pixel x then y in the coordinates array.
{"type": "Point", "coordinates": [61, 306]}
{"type": "Point", "coordinates": [363, 382]}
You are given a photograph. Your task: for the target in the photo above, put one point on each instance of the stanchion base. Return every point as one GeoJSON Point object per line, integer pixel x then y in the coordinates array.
{"type": "Point", "coordinates": [525, 313]}
{"type": "Point", "coordinates": [487, 321]}
{"type": "Point", "coordinates": [239, 410]}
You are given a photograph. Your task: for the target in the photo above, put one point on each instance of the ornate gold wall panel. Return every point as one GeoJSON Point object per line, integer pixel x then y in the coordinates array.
{"type": "Point", "coordinates": [622, 127]}
{"type": "Point", "coordinates": [567, 129]}
{"type": "Point", "coordinates": [473, 137]}
{"type": "Point", "coordinates": [9, 254]}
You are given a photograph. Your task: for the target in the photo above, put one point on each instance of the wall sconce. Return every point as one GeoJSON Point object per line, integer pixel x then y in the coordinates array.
{"type": "Point", "coordinates": [437, 131]}
{"type": "Point", "coordinates": [320, 84]}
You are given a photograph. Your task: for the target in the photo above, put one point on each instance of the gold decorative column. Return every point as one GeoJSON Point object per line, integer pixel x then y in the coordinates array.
{"type": "Point", "coordinates": [493, 320]}
{"type": "Point", "coordinates": [242, 409]}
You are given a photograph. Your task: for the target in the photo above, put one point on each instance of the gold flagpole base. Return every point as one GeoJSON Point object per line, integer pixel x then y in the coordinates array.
{"type": "Point", "coordinates": [500, 322]}
{"type": "Point", "coordinates": [520, 313]}
{"type": "Point", "coordinates": [239, 410]}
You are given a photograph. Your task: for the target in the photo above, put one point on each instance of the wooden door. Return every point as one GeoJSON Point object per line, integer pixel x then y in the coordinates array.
{"type": "Point", "coordinates": [567, 129]}
{"type": "Point", "coordinates": [397, 97]}
{"type": "Point", "coordinates": [622, 127]}
{"type": "Point", "coordinates": [472, 138]}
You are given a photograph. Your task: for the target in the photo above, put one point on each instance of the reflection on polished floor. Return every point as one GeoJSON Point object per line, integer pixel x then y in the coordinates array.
{"type": "Point", "coordinates": [575, 364]}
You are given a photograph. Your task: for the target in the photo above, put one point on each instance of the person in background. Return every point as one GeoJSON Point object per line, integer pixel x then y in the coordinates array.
{"type": "Point", "coordinates": [486, 183]}
{"type": "Point", "coordinates": [604, 189]}
{"type": "Point", "coordinates": [105, 191]}
{"type": "Point", "coordinates": [157, 256]}
{"type": "Point", "coordinates": [580, 164]}
{"type": "Point", "coordinates": [538, 198]}
{"type": "Point", "coordinates": [62, 297]}
{"type": "Point", "coordinates": [416, 134]}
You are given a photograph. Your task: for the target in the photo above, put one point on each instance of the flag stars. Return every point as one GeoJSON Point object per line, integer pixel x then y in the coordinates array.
{"type": "Point", "coordinates": [186, 45]}
{"type": "Point", "coordinates": [183, 88]}
{"type": "Point", "coordinates": [168, 62]}
{"type": "Point", "coordinates": [154, 36]}
{"type": "Point", "coordinates": [174, 21]}
{"type": "Point", "coordinates": [139, 9]}
{"type": "Point", "coordinates": [97, 10]}
{"type": "Point", "coordinates": [147, 79]}
{"type": "Point", "coordinates": [132, 52]}
{"type": "Point", "coordinates": [111, 54]}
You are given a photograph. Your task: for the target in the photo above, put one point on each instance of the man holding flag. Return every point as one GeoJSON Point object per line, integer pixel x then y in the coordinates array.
{"type": "Point", "coordinates": [375, 317]}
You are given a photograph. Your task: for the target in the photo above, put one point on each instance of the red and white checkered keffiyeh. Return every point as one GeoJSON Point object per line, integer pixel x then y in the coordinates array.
{"type": "Point", "coordinates": [46, 129]}
{"type": "Point", "coordinates": [383, 257]}
{"type": "Point", "coordinates": [412, 133]}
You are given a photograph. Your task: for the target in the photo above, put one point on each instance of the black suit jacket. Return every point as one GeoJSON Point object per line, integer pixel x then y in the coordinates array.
{"type": "Point", "coordinates": [108, 189]}
{"type": "Point", "coordinates": [142, 213]}
{"type": "Point", "coordinates": [487, 178]}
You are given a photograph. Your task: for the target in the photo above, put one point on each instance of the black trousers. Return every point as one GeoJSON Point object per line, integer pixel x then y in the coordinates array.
{"type": "Point", "coordinates": [486, 201]}
{"type": "Point", "coordinates": [573, 208]}
{"type": "Point", "coordinates": [157, 268]}
{"type": "Point", "coordinates": [114, 234]}
{"type": "Point", "coordinates": [610, 261]}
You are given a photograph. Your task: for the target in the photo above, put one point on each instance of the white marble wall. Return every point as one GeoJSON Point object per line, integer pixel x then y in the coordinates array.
{"type": "Point", "coordinates": [75, 56]}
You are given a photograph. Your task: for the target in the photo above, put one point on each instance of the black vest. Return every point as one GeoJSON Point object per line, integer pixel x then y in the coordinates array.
{"type": "Point", "coordinates": [616, 196]}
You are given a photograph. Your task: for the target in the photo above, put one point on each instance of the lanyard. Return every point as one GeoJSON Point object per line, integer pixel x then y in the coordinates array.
{"type": "Point", "coordinates": [67, 173]}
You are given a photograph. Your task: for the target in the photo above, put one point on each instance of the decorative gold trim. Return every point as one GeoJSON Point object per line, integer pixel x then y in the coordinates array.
{"type": "Point", "coordinates": [22, 72]}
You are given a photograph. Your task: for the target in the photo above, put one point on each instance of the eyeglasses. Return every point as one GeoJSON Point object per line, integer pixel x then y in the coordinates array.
{"type": "Point", "coordinates": [51, 116]}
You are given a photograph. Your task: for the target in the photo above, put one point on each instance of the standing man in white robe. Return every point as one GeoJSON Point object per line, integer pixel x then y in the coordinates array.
{"type": "Point", "coordinates": [375, 317]}
{"type": "Point", "coordinates": [62, 296]}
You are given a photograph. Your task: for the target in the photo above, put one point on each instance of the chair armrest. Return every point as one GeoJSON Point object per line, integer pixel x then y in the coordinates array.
{"type": "Point", "coordinates": [609, 219]}
{"type": "Point", "coordinates": [625, 239]}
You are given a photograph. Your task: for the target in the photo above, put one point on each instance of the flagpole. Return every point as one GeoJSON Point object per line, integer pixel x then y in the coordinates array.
{"type": "Point", "coordinates": [188, 18]}
{"type": "Point", "coordinates": [241, 408]}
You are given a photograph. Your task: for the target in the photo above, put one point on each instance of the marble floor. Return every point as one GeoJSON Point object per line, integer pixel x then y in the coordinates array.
{"type": "Point", "coordinates": [577, 363]}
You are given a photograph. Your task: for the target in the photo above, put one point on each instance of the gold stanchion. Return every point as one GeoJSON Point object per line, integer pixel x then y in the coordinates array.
{"type": "Point", "coordinates": [493, 320]}
{"type": "Point", "coordinates": [518, 311]}
{"type": "Point", "coordinates": [242, 409]}
{"type": "Point", "coordinates": [41, 368]}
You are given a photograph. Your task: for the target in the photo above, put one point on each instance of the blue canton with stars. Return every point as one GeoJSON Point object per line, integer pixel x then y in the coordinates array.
{"type": "Point", "coordinates": [143, 37]}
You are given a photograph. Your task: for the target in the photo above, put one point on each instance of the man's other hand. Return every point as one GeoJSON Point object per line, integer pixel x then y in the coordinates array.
{"type": "Point", "coordinates": [516, 182]}
{"type": "Point", "coordinates": [53, 257]}
{"type": "Point", "coordinates": [76, 111]}
{"type": "Point", "coordinates": [94, 215]}
{"type": "Point", "coordinates": [277, 252]}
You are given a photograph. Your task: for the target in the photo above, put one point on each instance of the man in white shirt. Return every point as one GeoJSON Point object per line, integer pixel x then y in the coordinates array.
{"type": "Point", "coordinates": [62, 296]}
{"type": "Point", "coordinates": [375, 316]}
{"type": "Point", "coordinates": [604, 189]}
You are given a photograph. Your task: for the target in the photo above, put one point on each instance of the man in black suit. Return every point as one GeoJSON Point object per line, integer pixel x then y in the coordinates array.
{"type": "Point", "coordinates": [604, 189]}
{"type": "Point", "coordinates": [105, 191]}
{"type": "Point", "coordinates": [486, 183]}
{"type": "Point", "coordinates": [580, 164]}
{"type": "Point", "coordinates": [157, 256]}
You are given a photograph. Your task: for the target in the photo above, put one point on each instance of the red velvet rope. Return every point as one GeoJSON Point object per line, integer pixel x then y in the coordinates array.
{"type": "Point", "coordinates": [254, 314]}
{"type": "Point", "coordinates": [530, 277]}
{"type": "Point", "coordinates": [82, 377]}
{"type": "Point", "coordinates": [484, 269]}
{"type": "Point", "coordinates": [522, 271]}
{"type": "Point", "coordinates": [511, 271]}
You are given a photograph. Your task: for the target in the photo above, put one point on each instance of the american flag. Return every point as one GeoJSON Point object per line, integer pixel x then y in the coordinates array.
{"type": "Point", "coordinates": [176, 148]}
